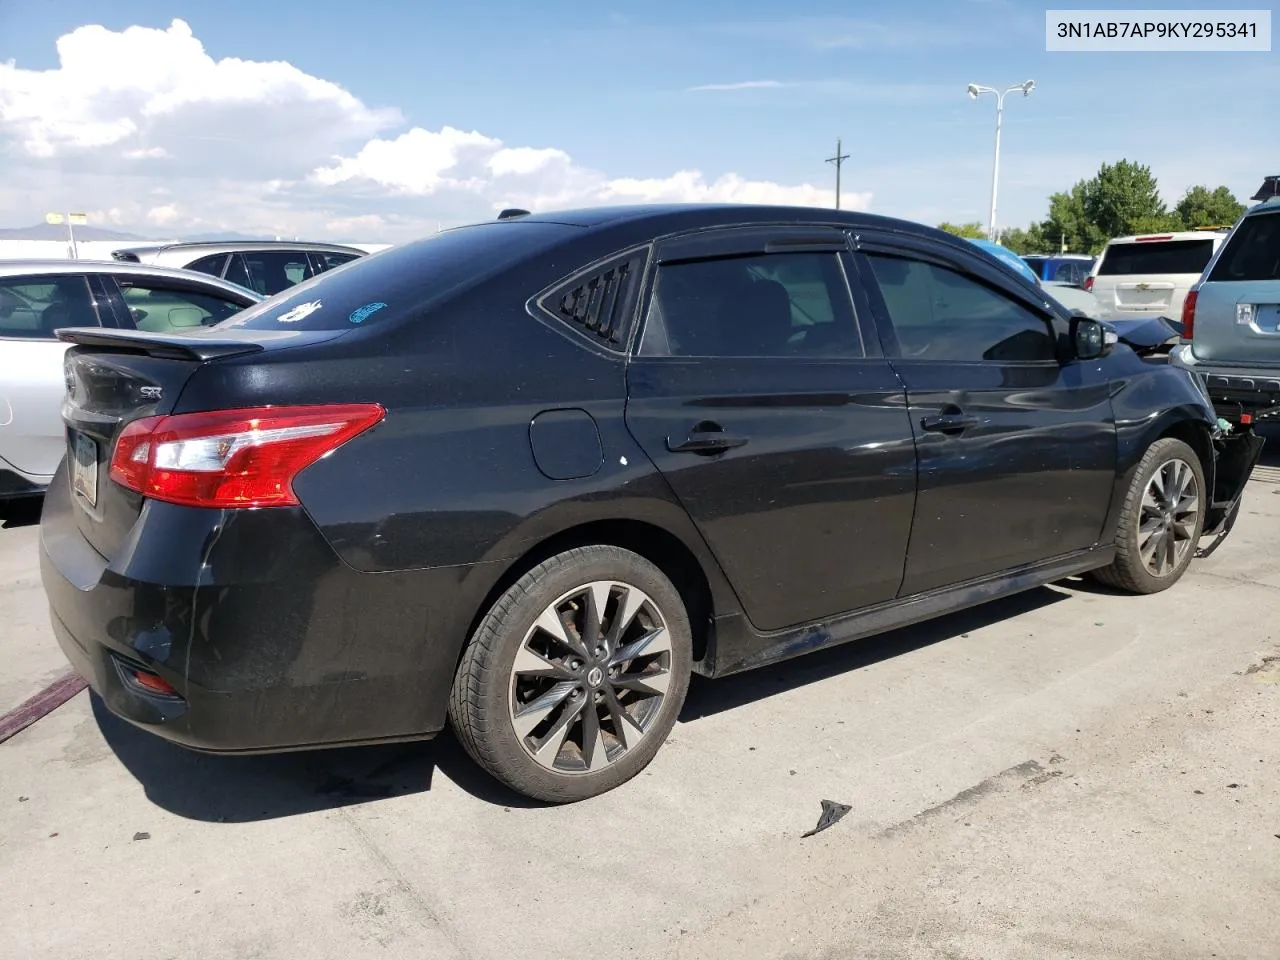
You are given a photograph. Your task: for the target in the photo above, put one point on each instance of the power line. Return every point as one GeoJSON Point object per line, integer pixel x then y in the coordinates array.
{"type": "Point", "coordinates": [838, 160]}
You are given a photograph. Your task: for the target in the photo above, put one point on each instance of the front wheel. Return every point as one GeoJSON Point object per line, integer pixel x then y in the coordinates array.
{"type": "Point", "coordinates": [575, 676]}
{"type": "Point", "coordinates": [1161, 521]}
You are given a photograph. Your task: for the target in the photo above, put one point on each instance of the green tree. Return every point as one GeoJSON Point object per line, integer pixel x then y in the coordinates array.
{"type": "Point", "coordinates": [970, 231]}
{"type": "Point", "coordinates": [1030, 240]}
{"type": "Point", "coordinates": [1202, 207]}
{"type": "Point", "coordinates": [1124, 198]}
{"type": "Point", "coordinates": [1069, 226]}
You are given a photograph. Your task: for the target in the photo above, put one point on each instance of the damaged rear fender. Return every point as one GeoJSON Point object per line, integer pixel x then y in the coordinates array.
{"type": "Point", "coordinates": [1237, 454]}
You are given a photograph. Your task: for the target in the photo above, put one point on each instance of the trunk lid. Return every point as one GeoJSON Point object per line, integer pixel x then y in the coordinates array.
{"type": "Point", "coordinates": [114, 377]}
{"type": "Point", "coordinates": [1146, 296]}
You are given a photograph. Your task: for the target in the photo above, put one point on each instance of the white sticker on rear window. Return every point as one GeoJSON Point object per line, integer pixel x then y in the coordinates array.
{"type": "Point", "coordinates": [300, 312]}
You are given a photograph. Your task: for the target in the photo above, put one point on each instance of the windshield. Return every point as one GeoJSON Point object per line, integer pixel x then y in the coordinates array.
{"type": "Point", "coordinates": [386, 285]}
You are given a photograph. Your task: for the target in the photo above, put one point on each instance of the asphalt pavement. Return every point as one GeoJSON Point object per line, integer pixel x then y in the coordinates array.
{"type": "Point", "coordinates": [1067, 773]}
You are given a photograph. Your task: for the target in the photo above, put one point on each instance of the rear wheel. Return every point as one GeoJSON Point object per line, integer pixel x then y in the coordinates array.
{"type": "Point", "coordinates": [575, 676]}
{"type": "Point", "coordinates": [1161, 521]}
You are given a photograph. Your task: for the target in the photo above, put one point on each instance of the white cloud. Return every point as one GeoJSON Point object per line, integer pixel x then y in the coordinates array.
{"type": "Point", "coordinates": [164, 215]}
{"type": "Point", "coordinates": [144, 89]}
{"type": "Point", "coordinates": [423, 163]}
{"type": "Point", "coordinates": [414, 162]}
{"type": "Point", "coordinates": [144, 123]}
{"type": "Point", "coordinates": [524, 160]}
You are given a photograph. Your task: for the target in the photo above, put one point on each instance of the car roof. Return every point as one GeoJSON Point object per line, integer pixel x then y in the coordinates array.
{"type": "Point", "coordinates": [681, 215]}
{"type": "Point", "coordinates": [232, 246]}
{"type": "Point", "coordinates": [1270, 205]}
{"type": "Point", "coordinates": [1174, 235]}
{"type": "Point", "coordinates": [18, 268]}
{"type": "Point", "coordinates": [648, 222]}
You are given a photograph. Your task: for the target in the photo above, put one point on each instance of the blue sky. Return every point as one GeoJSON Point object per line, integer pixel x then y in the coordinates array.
{"type": "Point", "coordinates": [615, 88]}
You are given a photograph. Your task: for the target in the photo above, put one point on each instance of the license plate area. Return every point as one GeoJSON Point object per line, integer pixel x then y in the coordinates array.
{"type": "Point", "coordinates": [1267, 317]}
{"type": "Point", "coordinates": [84, 468]}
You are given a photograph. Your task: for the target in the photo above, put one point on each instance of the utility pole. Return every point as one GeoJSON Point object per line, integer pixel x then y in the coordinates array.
{"type": "Point", "coordinates": [838, 160]}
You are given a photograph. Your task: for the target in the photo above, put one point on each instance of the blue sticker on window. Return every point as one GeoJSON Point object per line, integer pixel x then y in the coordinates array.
{"type": "Point", "coordinates": [361, 314]}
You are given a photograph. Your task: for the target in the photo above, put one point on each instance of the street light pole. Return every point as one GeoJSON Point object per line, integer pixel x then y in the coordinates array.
{"type": "Point", "coordinates": [974, 92]}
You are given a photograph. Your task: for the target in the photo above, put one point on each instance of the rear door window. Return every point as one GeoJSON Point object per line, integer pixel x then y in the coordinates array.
{"type": "Point", "coordinates": [33, 308]}
{"type": "Point", "coordinates": [157, 308]}
{"type": "Point", "coordinates": [1146, 257]}
{"type": "Point", "coordinates": [1252, 253]}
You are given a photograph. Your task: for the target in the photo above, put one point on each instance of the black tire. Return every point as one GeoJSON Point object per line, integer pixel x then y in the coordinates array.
{"type": "Point", "coordinates": [1129, 571]}
{"type": "Point", "coordinates": [483, 702]}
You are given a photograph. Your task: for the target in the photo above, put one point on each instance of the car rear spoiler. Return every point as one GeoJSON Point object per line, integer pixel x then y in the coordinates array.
{"type": "Point", "coordinates": [1270, 188]}
{"type": "Point", "coordinates": [163, 345]}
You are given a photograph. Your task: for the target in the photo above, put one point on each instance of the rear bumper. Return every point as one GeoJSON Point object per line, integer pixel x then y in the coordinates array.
{"type": "Point", "coordinates": [1234, 389]}
{"type": "Point", "coordinates": [270, 641]}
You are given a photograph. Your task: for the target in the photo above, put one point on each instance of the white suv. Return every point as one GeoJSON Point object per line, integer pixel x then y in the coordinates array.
{"type": "Point", "coordinates": [1149, 276]}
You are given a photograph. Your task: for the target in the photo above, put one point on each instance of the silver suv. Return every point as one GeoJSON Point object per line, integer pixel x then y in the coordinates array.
{"type": "Point", "coordinates": [1231, 317]}
{"type": "Point", "coordinates": [267, 266]}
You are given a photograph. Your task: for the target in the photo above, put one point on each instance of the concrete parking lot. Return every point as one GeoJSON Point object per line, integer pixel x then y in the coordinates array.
{"type": "Point", "coordinates": [1068, 773]}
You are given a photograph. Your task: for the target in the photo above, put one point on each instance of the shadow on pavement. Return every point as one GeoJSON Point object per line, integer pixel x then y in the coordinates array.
{"type": "Point", "coordinates": [244, 789]}
{"type": "Point", "coordinates": [710, 697]}
{"type": "Point", "coordinates": [1271, 451]}
{"type": "Point", "coordinates": [20, 512]}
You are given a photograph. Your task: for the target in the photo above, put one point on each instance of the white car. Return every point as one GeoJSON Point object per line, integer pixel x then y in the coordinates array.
{"type": "Point", "coordinates": [1149, 276]}
{"type": "Point", "coordinates": [37, 297]}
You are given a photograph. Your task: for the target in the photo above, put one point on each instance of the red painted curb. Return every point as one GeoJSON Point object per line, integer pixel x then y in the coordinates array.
{"type": "Point", "coordinates": [42, 704]}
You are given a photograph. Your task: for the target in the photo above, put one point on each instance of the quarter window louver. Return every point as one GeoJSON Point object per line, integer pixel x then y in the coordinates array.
{"type": "Point", "coordinates": [598, 305]}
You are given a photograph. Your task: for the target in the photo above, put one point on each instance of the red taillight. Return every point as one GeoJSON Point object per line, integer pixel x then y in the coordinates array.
{"type": "Point", "coordinates": [1189, 316]}
{"type": "Point", "coordinates": [1088, 284]}
{"type": "Point", "coordinates": [233, 458]}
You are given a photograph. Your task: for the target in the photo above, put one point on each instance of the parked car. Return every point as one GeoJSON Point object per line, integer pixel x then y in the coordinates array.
{"type": "Point", "coordinates": [267, 267]}
{"type": "Point", "coordinates": [1070, 269]}
{"type": "Point", "coordinates": [1231, 318]}
{"type": "Point", "coordinates": [1150, 275]}
{"type": "Point", "coordinates": [1069, 296]}
{"type": "Point", "coordinates": [36, 298]}
{"type": "Point", "coordinates": [531, 474]}
{"type": "Point", "coordinates": [1008, 258]}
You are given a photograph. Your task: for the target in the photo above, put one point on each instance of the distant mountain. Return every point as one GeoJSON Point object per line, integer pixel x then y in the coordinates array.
{"type": "Point", "coordinates": [50, 231]}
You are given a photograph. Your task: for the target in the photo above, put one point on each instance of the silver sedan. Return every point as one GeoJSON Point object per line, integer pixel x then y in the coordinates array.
{"type": "Point", "coordinates": [39, 296]}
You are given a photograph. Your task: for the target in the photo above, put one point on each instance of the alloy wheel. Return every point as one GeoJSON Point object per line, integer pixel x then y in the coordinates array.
{"type": "Point", "coordinates": [1170, 510]}
{"type": "Point", "coordinates": [590, 677]}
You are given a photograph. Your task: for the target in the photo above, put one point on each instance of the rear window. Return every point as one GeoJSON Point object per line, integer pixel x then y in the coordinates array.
{"type": "Point", "coordinates": [1070, 271]}
{"type": "Point", "coordinates": [402, 279]}
{"type": "Point", "coordinates": [1252, 252]}
{"type": "Point", "coordinates": [1156, 256]}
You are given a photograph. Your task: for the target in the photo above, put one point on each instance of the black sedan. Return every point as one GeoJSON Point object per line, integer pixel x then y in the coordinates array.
{"type": "Point", "coordinates": [527, 476]}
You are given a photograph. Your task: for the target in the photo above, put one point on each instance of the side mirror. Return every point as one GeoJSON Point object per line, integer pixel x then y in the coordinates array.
{"type": "Point", "coordinates": [1093, 339]}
